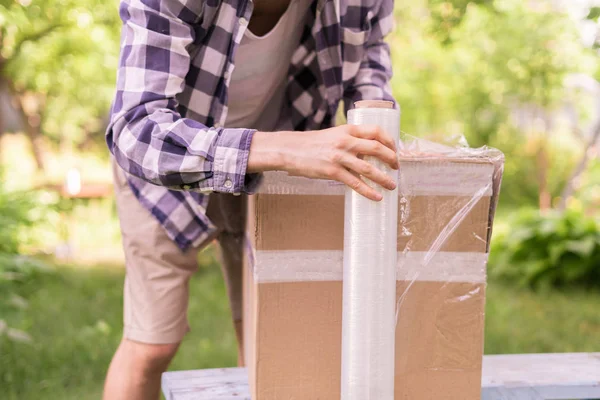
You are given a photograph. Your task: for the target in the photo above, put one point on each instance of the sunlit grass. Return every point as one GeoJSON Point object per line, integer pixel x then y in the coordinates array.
{"type": "Point", "coordinates": [521, 321]}
{"type": "Point", "coordinates": [73, 317]}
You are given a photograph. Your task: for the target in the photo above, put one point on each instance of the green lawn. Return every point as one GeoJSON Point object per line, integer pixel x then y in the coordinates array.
{"type": "Point", "coordinates": [74, 319]}
{"type": "Point", "coordinates": [522, 321]}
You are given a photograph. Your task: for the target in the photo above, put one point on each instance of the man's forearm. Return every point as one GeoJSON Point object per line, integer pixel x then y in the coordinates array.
{"type": "Point", "coordinates": [333, 153]}
{"type": "Point", "coordinates": [266, 151]}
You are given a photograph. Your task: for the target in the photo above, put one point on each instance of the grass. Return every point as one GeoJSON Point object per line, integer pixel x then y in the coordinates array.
{"type": "Point", "coordinates": [521, 321]}
{"type": "Point", "coordinates": [74, 319]}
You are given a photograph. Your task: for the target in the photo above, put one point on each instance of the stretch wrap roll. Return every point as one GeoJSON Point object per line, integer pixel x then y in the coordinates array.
{"type": "Point", "coordinates": [369, 277]}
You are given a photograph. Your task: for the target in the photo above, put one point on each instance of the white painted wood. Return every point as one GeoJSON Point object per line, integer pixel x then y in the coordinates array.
{"type": "Point", "coordinates": [208, 384]}
{"type": "Point", "coordinates": [541, 376]}
{"type": "Point", "coordinates": [505, 377]}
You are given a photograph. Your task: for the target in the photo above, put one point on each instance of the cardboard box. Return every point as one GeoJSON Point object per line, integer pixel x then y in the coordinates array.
{"type": "Point", "coordinates": [293, 282]}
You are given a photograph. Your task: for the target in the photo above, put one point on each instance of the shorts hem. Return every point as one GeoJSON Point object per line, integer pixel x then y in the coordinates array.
{"type": "Point", "coordinates": [168, 337]}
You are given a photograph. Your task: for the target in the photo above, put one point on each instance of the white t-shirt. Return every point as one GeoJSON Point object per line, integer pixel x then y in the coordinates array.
{"type": "Point", "coordinates": [257, 85]}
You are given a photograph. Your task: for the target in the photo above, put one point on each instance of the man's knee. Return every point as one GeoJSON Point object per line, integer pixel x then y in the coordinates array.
{"type": "Point", "coordinates": [150, 358]}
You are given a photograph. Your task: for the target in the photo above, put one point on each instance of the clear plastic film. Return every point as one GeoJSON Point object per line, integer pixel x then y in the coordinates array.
{"type": "Point", "coordinates": [299, 241]}
{"type": "Point", "coordinates": [369, 277]}
{"type": "Point", "coordinates": [448, 194]}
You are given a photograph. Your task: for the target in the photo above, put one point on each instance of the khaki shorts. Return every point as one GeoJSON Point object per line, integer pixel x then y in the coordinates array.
{"type": "Point", "coordinates": [157, 277]}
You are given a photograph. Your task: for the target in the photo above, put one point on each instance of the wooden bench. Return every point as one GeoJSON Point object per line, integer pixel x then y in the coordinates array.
{"type": "Point", "coordinates": [541, 376]}
{"type": "Point", "coordinates": [505, 377]}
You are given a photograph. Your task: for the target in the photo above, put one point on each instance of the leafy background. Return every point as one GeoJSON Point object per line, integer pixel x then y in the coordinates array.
{"type": "Point", "coordinates": [521, 76]}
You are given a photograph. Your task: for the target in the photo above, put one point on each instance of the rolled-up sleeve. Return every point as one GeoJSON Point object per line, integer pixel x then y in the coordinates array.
{"type": "Point", "coordinates": [146, 134]}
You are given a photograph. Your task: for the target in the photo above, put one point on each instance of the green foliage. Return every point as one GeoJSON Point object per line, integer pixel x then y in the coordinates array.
{"type": "Point", "coordinates": [520, 181]}
{"type": "Point", "coordinates": [472, 67]}
{"type": "Point", "coordinates": [15, 214]}
{"type": "Point", "coordinates": [20, 212]}
{"type": "Point", "coordinates": [501, 55]}
{"type": "Point", "coordinates": [461, 67]}
{"type": "Point", "coordinates": [448, 15]}
{"type": "Point", "coordinates": [589, 187]}
{"type": "Point", "coordinates": [558, 249]}
{"type": "Point", "coordinates": [19, 268]}
{"type": "Point", "coordinates": [74, 321]}
{"type": "Point", "coordinates": [594, 13]}
{"type": "Point", "coordinates": [64, 52]}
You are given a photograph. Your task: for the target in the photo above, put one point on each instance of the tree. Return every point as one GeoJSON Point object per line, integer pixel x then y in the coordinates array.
{"type": "Point", "coordinates": [493, 71]}
{"type": "Point", "coordinates": [590, 140]}
{"type": "Point", "coordinates": [58, 61]}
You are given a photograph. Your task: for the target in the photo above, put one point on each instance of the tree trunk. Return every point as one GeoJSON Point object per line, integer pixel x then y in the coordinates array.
{"type": "Point", "coordinates": [32, 124]}
{"type": "Point", "coordinates": [4, 88]}
{"type": "Point", "coordinates": [1, 151]}
{"type": "Point", "coordinates": [545, 199]}
{"type": "Point", "coordinates": [569, 188]}
{"type": "Point", "coordinates": [35, 139]}
{"type": "Point", "coordinates": [1, 123]}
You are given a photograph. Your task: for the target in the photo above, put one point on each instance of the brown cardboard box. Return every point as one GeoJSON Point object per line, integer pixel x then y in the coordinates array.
{"type": "Point", "coordinates": [293, 282]}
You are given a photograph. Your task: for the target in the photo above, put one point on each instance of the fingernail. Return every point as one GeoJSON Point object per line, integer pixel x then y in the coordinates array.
{"type": "Point", "coordinates": [378, 197]}
{"type": "Point", "coordinates": [391, 185]}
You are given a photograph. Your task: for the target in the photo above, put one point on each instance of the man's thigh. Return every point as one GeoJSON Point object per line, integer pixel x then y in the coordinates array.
{"type": "Point", "coordinates": [156, 291]}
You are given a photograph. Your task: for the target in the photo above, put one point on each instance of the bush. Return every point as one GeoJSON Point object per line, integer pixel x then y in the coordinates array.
{"type": "Point", "coordinates": [19, 212]}
{"type": "Point", "coordinates": [557, 249]}
{"type": "Point", "coordinates": [15, 215]}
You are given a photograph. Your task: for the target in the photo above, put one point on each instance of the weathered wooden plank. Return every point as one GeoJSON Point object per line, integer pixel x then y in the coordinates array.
{"type": "Point", "coordinates": [505, 377]}
{"type": "Point", "coordinates": [198, 396]}
{"type": "Point", "coordinates": [541, 376]}
{"type": "Point", "coordinates": [208, 384]}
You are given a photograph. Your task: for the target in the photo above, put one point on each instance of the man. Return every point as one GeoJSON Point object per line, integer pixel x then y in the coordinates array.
{"type": "Point", "coordinates": [210, 93]}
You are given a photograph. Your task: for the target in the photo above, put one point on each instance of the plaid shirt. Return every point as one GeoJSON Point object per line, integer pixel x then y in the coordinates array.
{"type": "Point", "coordinates": [177, 58]}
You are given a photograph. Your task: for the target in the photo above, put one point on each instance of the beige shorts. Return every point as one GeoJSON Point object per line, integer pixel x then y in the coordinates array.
{"type": "Point", "coordinates": [157, 277]}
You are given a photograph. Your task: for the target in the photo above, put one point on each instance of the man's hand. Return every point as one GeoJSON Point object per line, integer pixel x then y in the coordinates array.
{"type": "Point", "coordinates": [334, 153]}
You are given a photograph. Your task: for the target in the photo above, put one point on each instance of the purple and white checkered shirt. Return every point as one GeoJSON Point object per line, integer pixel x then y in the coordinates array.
{"type": "Point", "coordinates": [177, 57]}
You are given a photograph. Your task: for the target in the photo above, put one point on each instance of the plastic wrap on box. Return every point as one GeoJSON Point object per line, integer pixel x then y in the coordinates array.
{"type": "Point", "coordinates": [447, 197]}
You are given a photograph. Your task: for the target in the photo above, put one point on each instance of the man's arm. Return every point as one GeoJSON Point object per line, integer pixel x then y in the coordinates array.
{"type": "Point", "coordinates": [372, 81]}
{"type": "Point", "coordinates": [147, 135]}
{"type": "Point", "coordinates": [152, 141]}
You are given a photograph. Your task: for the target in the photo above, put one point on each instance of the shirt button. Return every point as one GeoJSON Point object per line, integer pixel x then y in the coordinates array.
{"type": "Point", "coordinates": [228, 184]}
{"type": "Point", "coordinates": [186, 187]}
{"type": "Point", "coordinates": [243, 21]}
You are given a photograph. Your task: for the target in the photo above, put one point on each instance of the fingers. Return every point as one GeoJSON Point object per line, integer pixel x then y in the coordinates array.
{"type": "Point", "coordinates": [373, 132]}
{"type": "Point", "coordinates": [363, 168]}
{"type": "Point", "coordinates": [355, 183]}
{"type": "Point", "coordinates": [374, 148]}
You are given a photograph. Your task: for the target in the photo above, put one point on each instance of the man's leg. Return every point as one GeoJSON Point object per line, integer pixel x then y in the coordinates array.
{"type": "Point", "coordinates": [228, 212]}
{"type": "Point", "coordinates": [231, 265]}
{"type": "Point", "coordinates": [136, 369]}
{"type": "Point", "coordinates": [155, 301]}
